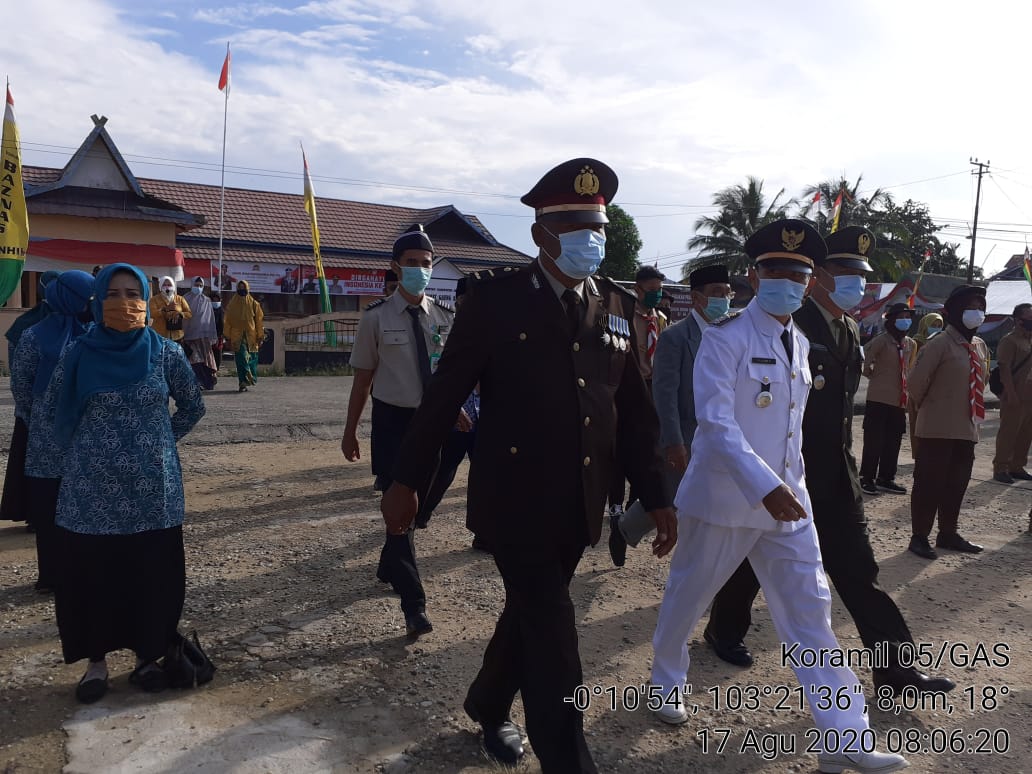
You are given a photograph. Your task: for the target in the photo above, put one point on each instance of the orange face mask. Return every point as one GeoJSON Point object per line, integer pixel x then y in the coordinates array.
{"type": "Point", "coordinates": [125, 314]}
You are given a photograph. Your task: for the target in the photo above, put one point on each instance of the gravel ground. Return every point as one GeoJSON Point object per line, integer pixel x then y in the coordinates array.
{"type": "Point", "coordinates": [282, 539]}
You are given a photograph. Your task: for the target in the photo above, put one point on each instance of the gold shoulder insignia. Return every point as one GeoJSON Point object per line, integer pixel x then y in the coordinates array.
{"type": "Point", "coordinates": [726, 318]}
{"type": "Point", "coordinates": [612, 284]}
{"type": "Point", "coordinates": [791, 240]}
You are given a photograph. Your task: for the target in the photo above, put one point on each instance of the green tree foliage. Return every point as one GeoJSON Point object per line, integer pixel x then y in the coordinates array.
{"type": "Point", "coordinates": [903, 231]}
{"type": "Point", "coordinates": [742, 209]}
{"type": "Point", "coordinates": [623, 243]}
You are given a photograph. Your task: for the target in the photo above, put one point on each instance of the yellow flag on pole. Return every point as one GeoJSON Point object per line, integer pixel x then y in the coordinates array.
{"type": "Point", "coordinates": [14, 217]}
{"type": "Point", "coordinates": [320, 273]}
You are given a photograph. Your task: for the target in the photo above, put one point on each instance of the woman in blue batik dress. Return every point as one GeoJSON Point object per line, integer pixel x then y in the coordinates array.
{"type": "Point", "coordinates": [38, 351]}
{"type": "Point", "coordinates": [122, 576]}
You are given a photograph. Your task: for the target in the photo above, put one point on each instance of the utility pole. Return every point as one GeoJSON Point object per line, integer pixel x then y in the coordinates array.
{"type": "Point", "coordinates": [982, 168]}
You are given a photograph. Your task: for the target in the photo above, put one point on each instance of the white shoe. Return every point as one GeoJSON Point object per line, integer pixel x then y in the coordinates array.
{"type": "Point", "coordinates": [869, 762]}
{"type": "Point", "coordinates": [672, 715]}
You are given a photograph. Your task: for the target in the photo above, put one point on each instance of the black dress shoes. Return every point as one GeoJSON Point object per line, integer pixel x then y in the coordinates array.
{"type": "Point", "coordinates": [898, 678]}
{"type": "Point", "coordinates": [955, 542]}
{"type": "Point", "coordinates": [617, 544]}
{"type": "Point", "coordinates": [1020, 475]}
{"type": "Point", "coordinates": [503, 742]}
{"type": "Point", "coordinates": [417, 623]}
{"type": "Point", "coordinates": [732, 652]}
{"type": "Point", "coordinates": [919, 545]}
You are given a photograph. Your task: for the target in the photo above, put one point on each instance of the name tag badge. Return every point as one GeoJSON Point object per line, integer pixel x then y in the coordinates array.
{"type": "Point", "coordinates": [764, 361]}
{"type": "Point", "coordinates": [395, 337]}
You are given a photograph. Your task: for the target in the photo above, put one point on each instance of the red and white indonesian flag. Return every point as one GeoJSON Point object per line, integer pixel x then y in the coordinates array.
{"type": "Point", "coordinates": [224, 75]}
{"type": "Point", "coordinates": [14, 217]}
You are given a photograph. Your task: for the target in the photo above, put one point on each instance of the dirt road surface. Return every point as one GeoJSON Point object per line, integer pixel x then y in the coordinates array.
{"type": "Point", "coordinates": [315, 673]}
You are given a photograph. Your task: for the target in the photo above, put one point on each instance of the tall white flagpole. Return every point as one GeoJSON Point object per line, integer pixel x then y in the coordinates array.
{"type": "Point", "coordinates": [222, 198]}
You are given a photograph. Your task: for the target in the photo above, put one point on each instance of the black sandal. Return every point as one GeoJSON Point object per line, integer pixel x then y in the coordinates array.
{"type": "Point", "coordinates": [89, 691]}
{"type": "Point", "coordinates": [150, 677]}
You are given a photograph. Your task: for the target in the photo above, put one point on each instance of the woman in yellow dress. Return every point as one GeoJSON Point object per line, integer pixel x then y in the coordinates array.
{"type": "Point", "coordinates": [244, 330]}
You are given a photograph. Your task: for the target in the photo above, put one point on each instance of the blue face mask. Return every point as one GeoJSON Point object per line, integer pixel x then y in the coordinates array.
{"type": "Point", "coordinates": [415, 279]}
{"type": "Point", "coordinates": [196, 290]}
{"type": "Point", "coordinates": [716, 308]}
{"type": "Point", "coordinates": [582, 252]}
{"type": "Point", "coordinates": [903, 324]}
{"type": "Point", "coordinates": [848, 292]}
{"type": "Point", "coordinates": [933, 329]}
{"type": "Point", "coordinates": [780, 297]}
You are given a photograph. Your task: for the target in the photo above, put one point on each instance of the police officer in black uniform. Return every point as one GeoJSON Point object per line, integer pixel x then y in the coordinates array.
{"type": "Point", "coordinates": [831, 474]}
{"type": "Point", "coordinates": [561, 395]}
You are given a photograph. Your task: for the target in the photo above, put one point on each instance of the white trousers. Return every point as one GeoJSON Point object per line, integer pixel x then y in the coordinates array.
{"type": "Point", "coordinates": [788, 566]}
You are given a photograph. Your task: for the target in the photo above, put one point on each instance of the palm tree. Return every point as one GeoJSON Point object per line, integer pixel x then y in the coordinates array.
{"type": "Point", "coordinates": [873, 211]}
{"type": "Point", "coordinates": [742, 209]}
{"type": "Point", "coordinates": [857, 210]}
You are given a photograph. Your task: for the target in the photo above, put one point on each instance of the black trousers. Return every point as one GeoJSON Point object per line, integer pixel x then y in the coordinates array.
{"type": "Point", "coordinates": [851, 567]}
{"type": "Point", "coordinates": [15, 503]}
{"type": "Point", "coordinates": [884, 426]}
{"type": "Point", "coordinates": [456, 447]}
{"type": "Point", "coordinates": [942, 472]}
{"type": "Point", "coordinates": [398, 555]}
{"type": "Point", "coordinates": [42, 511]}
{"type": "Point", "coordinates": [534, 651]}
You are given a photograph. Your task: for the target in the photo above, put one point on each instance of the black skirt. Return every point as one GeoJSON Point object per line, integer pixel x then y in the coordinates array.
{"type": "Point", "coordinates": [119, 591]}
{"type": "Point", "coordinates": [14, 506]}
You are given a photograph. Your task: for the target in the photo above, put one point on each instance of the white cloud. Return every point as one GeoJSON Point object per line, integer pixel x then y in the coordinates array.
{"type": "Point", "coordinates": [681, 99]}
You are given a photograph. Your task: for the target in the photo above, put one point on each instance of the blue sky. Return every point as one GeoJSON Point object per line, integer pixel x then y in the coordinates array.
{"type": "Point", "coordinates": [476, 99]}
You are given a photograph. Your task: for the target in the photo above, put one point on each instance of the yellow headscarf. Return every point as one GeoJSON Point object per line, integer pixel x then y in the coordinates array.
{"type": "Point", "coordinates": [930, 319]}
{"type": "Point", "coordinates": [244, 319]}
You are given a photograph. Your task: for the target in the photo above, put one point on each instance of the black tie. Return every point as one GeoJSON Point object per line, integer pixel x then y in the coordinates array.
{"type": "Point", "coordinates": [421, 354]}
{"type": "Point", "coordinates": [571, 299]}
{"type": "Point", "coordinates": [786, 342]}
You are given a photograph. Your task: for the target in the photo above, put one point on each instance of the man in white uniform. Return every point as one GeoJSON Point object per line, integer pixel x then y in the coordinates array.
{"type": "Point", "coordinates": [744, 495]}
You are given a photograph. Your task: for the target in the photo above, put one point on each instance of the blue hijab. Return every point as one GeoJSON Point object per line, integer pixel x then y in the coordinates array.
{"type": "Point", "coordinates": [38, 313]}
{"type": "Point", "coordinates": [67, 296]}
{"type": "Point", "coordinates": [103, 359]}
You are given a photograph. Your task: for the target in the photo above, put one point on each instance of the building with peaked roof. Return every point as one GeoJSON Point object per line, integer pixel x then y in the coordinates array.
{"type": "Point", "coordinates": [95, 211]}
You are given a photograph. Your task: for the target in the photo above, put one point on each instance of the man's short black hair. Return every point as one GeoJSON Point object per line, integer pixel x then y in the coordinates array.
{"type": "Point", "coordinates": [1020, 309]}
{"type": "Point", "coordinates": [646, 273]}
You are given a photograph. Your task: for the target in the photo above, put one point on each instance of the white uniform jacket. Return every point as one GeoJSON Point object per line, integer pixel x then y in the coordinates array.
{"type": "Point", "coordinates": [743, 450]}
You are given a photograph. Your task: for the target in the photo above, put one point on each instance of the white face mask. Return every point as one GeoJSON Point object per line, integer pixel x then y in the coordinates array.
{"type": "Point", "coordinates": [168, 292]}
{"type": "Point", "coordinates": [973, 318]}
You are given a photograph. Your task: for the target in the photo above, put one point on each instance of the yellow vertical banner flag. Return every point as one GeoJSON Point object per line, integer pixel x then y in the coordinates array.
{"type": "Point", "coordinates": [320, 273]}
{"type": "Point", "coordinates": [14, 217]}
{"type": "Point", "coordinates": [836, 212]}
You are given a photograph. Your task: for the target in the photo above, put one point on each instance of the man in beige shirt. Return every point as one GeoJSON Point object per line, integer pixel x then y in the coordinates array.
{"type": "Point", "coordinates": [947, 384]}
{"type": "Point", "coordinates": [888, 358]}
{"type": "Point", "coordinates": [1014, 356]}
{"type": "Point", "coordinates": [398, 343]}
